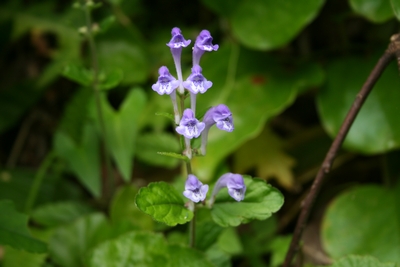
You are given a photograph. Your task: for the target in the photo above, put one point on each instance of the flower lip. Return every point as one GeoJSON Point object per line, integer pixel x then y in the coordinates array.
{"type": "Point", "coordinates": [194, 189]}
{"type": "Point", "coordinates": [234, 183]}
{"type": "Point", "coordinates": [189, 126]}
{"type": "Point", "coordinates": [236, 187]}
{"type": "Point", "coordinates": [204, 41]}
{"type": "Point", "coordinates": [177, 40]}
{"type": "Point", "coordinates": [221, 116]}
{"type": "Point", "coordinates": [166, 83]}
{"type": "Point", "coordinates": [196, 82]}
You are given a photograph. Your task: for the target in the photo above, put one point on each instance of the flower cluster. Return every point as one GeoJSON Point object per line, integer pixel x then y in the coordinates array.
{"type": "Point", "coordinates": [187, 124]}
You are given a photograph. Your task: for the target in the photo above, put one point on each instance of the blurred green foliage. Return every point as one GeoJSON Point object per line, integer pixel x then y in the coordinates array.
{"type": "Point", "coordinates": [288, 70]}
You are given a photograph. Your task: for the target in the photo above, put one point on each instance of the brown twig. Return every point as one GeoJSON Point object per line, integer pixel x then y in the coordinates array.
{"type": "Point", "coordinates": [392, 51]}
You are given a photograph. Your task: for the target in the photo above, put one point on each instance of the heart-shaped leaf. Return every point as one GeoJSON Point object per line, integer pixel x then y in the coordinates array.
{"type": "Point", "coordinates": [83, 158]}
{"type": "Point", "coordinates": [365, 221]}
{"type": "Point", "coordinates": [260, 201]}
{"type": "Point", "coordinates": [162, 202]}
{"type": "Point", "coordinates": [121, 129]}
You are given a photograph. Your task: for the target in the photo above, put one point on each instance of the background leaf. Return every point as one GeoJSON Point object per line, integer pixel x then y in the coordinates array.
{"type": "Point", "coordinates": [83, 158]}
{"type": "Point", "coordinates": [124, 209]}
{"type": "Point", "coordinates": [379, 110]}
{"type": "Point", "coordinates": [162, 202]}
{"type": "Point", "coordinates": [268, 89]}
{"type": "Point", "coordinates": [260, 201]}
{"type": "Point", "coordinates": [377, 11]}
{"type": "Point", "coordinates": [266, 155]}
{"type": "Point", "coordinates": [265, 25]}
{"type": "Point", "coordinates": [361, 261]}
{"type": "Point", "coordinates": [121, 128]}
{"type": "Point", "coordinates": [149, 144]}
{"type": "Point", "coordinates": [124, 251]}
{"type": "Point", "coordinates": [14, 230]}
{"type": "Point", "coordinates": [55, 214]}
{"type": "Point", "coordinates": [365, 221]}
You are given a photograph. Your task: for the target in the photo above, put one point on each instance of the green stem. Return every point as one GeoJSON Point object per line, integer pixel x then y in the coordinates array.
{"type": "Point", "coordinates": [192, 228]}
{"type": "Point", "coordinates": [37, 181]}
{"type": "Point", "coordinates": [95, 85]}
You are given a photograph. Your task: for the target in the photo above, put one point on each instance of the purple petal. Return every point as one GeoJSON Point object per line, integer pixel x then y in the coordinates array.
{"type": "Point", "coordinates": [177, 40]}
{"type": "Point", "coordinates": [166, 83]}
{"type": "Point", "coordinates": [204, 41]}
{"type": "Point", "coordinates": [189, 126]}
{"type": "Point", "coordinates": [194, 189]}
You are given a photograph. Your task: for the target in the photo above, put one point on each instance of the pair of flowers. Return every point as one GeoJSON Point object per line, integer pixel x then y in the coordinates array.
{"type": "Point", "coordinates": [196, 191]}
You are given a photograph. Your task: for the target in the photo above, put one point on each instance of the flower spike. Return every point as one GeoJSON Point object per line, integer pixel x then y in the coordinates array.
{"type": "Point", "coordinates": [234, 183]}
{"type": "Point", "coordinates": [203, 43]}
{"type": "Point", "coordinates": [219, 115]}
{"type": "Point", "coordinates": [194, 189]}
{"type": "Point", "coordinates": [176, 44]}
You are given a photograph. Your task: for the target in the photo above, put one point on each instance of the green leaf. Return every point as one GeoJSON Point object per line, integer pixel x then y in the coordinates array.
{"type": "Point", "coordinates": [285, 20]}
{"type": "Point", "coordinates": [166, 115]}
{"type": "Point", "coordinates": [132, 249]}
{"type": "Point", "coordinates": [269, 93]}
{"type": "Point", "coordinates": [149, 145]}
{"type": "Point", "coordinates": [124, 209]}
{"type": "Point", "coordinates": [55, 214]}
{"type": "Point", "coordinates": [265, 154]}
{"type": "Point", "coordinates": [364, 220]}
{"type": "Point", "coordinates": [279, 248]}
{"type": "Point", "coordinates": [16, 184]}
{"type": "Point", "coordinates": [18, 258]}
{"type": "Point", "coordinates": [361, 261]}
{"type": "Point", "coordinates": [70, 243]}
{"type": "Point", "coordinates": [123, 55]}
{"type": "Point", "coordinates": [14, 230]}
{"type": "Point", "coordinates": [75, 115]}
{"type": "Point", "coordinates": [396, 8]}
{"type": "Point", "coordinates": [207, 231]}
{"type": "Point", "coordinates": [110, 79]}
{"type": "Point", "coordinates": [260, 201]}
{"type": "Point", "coordinates": [162, 202]}
{"type": "Point", "coordinates": [377, 11]}
{"type": "Point", "coordinates": [83, 158]}
{"type": "Point", "coordinates": [376, 128]}
{"type": "Point", "coordinates": [78, 74]}
{"type": "Point", "coordinates": [183, 257]}
{"type": "Point", "coordinates": [218, 257]}
{"type": "Point", "coordinates": [229, 242]}
{"type": "Point", "coordinates": [121, 129]}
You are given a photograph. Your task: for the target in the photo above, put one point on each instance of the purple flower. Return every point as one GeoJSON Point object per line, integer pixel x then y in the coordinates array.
{"type": "Point", "coordinates": [219, 115]}
{"type": "Point", "coordinates": [176, 44]}
{"type": "Point", "coordinates": [196, 82]}
{"type": "Point", "coordinates": [194, 189]}
{"type": "Point", "coordinates": [203, 43]}
{"type": "Point", "coordinates": [234, 183]}
{"type": "Point", "coordinates": [166, 83]}
{"type": "Point", "coordinates": [177, 40]}
{"type": "Point", "coordinates": [189, 126]}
